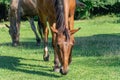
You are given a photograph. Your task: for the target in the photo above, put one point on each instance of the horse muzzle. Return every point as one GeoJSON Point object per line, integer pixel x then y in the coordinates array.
{"type": "Point", "coordinates": [64, 72]}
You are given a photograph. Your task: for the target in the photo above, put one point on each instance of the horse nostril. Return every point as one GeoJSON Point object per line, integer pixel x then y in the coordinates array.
{"type": "Point", "coordinates": [63, 72]}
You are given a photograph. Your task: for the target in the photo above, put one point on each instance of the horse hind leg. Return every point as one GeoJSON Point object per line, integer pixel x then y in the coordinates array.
{"type": "Point", "coordinates": [45, 32]}
{"type": "Point", "coordinates": [38, 40]}
{"type": "Point", "coordinates": [44, 35]}
{"type": "Point", "coordinates": [40, 28]}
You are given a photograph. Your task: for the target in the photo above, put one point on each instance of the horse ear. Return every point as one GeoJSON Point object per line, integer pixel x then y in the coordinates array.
{"type": "Point", "coordinates": [54, 30]}
{"type": "Point", "coordinates": [7, 26]}
{"type": "Point", "coordinates": [74, 31]}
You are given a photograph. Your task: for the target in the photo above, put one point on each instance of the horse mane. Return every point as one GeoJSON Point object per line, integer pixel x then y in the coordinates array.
{"type": "Point", "coordinates": [59, 9]}
{"type": "Point", "coordinates": [60, 20]}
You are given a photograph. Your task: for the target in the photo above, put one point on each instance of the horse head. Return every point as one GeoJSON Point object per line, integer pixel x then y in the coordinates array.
{"type": "Point", "coordinates": [64, 45]}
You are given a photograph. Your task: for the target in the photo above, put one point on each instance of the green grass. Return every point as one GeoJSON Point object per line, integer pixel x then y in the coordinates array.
{"type": "Point", "coordinates": [96, 54]}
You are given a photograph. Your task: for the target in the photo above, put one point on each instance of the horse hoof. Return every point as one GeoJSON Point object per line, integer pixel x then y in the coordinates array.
{"type": "Point", "coordinates": [46, 58]}
{"type": "Point", "coordinates": [15, 44]}
{"type": "Point", "coordinates": [56, 69]}
{"type": "Point", "coordinates": [38, 42]}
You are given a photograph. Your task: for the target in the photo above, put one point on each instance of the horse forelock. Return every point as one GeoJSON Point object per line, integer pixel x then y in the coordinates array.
{"type": "Point", "coordinates": [66, 33]}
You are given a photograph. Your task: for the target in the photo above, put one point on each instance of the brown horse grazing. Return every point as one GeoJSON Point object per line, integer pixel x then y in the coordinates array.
{"type": "Point", "coordinates": [60, 16]}
{"type": "Point", "coordinates": [20, 8]}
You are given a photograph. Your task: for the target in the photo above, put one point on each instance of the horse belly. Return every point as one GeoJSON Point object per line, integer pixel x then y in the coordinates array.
{"type": "Point", "coordinates": [28, 8]}
{"type": "Point", "coordinates": [46, 7]}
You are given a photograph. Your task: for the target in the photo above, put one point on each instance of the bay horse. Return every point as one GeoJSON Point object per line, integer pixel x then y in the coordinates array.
{"type": "Point", "coordinates": [19, 8]}
{"type": "Point", "coordinates": [60, 16]}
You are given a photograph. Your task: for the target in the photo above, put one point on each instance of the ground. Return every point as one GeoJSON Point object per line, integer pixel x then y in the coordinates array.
{"type": "Point", "coordinates": [96, 53]}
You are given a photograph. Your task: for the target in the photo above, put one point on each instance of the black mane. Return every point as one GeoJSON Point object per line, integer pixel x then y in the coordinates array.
{"type": "Point", "coordinates": [60, 20]}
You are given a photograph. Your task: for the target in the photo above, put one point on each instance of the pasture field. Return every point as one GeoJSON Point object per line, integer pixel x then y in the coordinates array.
{"type": "Point", "coordinates": [96, 53]}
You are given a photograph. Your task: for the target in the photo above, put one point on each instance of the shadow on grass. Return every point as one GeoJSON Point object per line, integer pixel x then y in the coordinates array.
{"type": "Point", "coordinates": [28, 43]}
{"type": "Point", "coordinates": [117, 21]}
{"type": "Point", "coordinates": [100, 61]}
{"type": "Point", "coordinates": [12, 63]}
{"type": "Point", "coordinates": [98, 50]}
{"type": "Point", "coordinates": [97, 45]}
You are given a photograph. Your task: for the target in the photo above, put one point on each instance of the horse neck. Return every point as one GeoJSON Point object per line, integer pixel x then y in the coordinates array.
{"type": "Point", "coordinates": [66, 11]}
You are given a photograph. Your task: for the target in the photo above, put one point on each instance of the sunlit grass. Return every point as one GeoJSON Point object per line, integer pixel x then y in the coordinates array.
{"type": "Point", "coordinates": [96, 53]}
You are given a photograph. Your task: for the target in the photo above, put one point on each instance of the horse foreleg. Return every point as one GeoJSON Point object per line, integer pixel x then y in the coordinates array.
{"type": "Point", "coordinates": [56, 67]}
{"type": "Point", "coordinates": [40, 28]}
{"type": "Point", "coordinates": [43, 20]}
{"type": "Point", "coordinates": [15, 23]}
{"type": "Point", "coordinates": [31, 20]}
